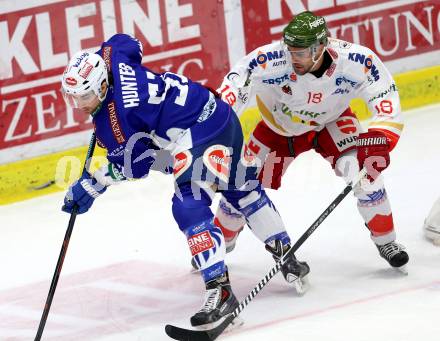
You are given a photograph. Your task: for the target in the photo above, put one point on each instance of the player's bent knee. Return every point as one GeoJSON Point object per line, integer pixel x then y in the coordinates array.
{"type": "Point", "coordinates": [229, 217]}
{"type": "Point", "coordinates": [190, 208]}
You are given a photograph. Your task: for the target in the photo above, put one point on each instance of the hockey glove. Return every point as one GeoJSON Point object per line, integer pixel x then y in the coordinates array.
{"type": "Point", "coordinates": [110, 174]}
{"type": "Point", "coordinates": [373, 152]}
{"type": "Point", "coordinates": [82, 193]}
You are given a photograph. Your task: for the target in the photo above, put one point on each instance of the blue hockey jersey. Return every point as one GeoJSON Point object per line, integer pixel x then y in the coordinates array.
{"type": "Point", "coordinates": [145, 111]}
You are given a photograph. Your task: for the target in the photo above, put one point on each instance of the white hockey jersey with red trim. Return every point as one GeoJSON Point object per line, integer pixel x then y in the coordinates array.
{"type": "Point", "coordinates": [292, 104]}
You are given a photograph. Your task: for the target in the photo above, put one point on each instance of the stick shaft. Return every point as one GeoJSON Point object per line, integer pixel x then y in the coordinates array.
{"type": "Point", "coordinates": [63, 252]}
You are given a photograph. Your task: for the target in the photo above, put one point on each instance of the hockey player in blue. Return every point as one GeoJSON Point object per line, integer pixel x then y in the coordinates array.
{"type": "Point", "coordinates": [140, 116]}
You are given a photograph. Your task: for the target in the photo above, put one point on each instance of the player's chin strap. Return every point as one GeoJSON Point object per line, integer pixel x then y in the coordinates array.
{"type": "Point", "coordinates": [314, 59]}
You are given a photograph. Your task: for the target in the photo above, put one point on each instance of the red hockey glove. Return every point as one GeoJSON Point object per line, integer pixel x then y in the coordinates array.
{"type": "Point", "coordinates": [373, 152]}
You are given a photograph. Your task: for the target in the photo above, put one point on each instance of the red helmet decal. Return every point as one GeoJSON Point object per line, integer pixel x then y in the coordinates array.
{"type": "Point", "coordinates": [71, 81]}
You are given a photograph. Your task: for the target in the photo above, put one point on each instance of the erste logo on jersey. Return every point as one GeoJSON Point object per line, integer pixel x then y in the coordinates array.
{"type": "Point", "coordinates": [277, 80]}
{"type": "Point", "coordinates": [200, 242]}
{"type": "Point", "coordinates": [217, 159]}
{"type": "Point", "coordinates": [263, 58]}
{"type": "Point", "coordinates": [367, 61]}
{"type": "Point", "coordinates": [182, 161]}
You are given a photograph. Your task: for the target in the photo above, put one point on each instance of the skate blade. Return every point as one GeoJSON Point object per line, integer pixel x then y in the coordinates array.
{"type": "Point", "coordinates": [301, 285]}
{"type": "Point", "coordinates": [402, 269]}
{"type": "Point", "coordinates": [237, 322]}
{"type": "Point", "coordinates": [194, 271]}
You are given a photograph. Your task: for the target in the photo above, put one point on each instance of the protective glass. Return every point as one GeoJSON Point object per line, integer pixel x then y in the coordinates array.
{"type": "Point", "coordinates": [300, 54]}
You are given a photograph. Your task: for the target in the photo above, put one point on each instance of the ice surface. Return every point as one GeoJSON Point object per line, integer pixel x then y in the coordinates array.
{"type": "Point", "coordinates": [127, 272]}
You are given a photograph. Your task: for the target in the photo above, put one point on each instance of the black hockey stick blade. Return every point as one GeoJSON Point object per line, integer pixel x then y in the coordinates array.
{"type": "Point", "coordinates": [182, 334]}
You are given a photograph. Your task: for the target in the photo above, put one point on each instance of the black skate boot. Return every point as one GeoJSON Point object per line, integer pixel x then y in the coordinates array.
{"type": "Point", "coordinates": [395, 255]}
{"type": "Point", "coordinates": [219, 302]}
{"type": "Point", "coordinates": [194, 265]}
{"type": "Point", "coordinates": [294, 272]}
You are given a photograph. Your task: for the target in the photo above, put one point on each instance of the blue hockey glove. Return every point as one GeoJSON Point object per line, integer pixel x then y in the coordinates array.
{"type": "Point", "coordinates": [83, 192]}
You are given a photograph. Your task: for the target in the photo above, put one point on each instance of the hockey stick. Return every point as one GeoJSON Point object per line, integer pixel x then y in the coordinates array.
{"type": "Point", "coordinates": [182, 334]}
{"type": "Point", "coordinates": [63, 251]}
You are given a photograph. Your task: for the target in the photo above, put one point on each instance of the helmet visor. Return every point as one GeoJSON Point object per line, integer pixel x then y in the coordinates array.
{"type": "Point", "coordinates": [79, 101]}
{"type": "Point", "coordinates": [300, 53]}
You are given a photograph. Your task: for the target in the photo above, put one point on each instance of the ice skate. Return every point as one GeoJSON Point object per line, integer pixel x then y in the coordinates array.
{"type": "Point", "coordinates": [294, 272]}
{"type": "Point", "coordinates": [432, 232]}
{"type": "Point", "coordinates": [219, 302]}
{"type": "Point", "coordinates": [395, 255]}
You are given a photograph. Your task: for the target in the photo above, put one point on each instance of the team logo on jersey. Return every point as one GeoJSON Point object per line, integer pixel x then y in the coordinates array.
{"type": "Point", "coordinates": [182, 161]}
{"type": "Point", "coordinates": [114, 123]}
{"type": "Point", "coordinates": [286, 89]}
{"type": "Point", "coordinates": [200, 242]}
{"type": "Point", "coordinates": [217, 159]}
{"type": "Point", "coordinates": [293, 77]}
{"type": "Point", "coordinates": [367, 61]}
{"type": "Point", "coordinates": [263, 58]}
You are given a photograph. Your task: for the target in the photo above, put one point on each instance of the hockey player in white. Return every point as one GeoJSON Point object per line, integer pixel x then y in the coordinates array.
{"type": "Point", "coordinates": [431, 227]}
{"type": "Point", "coordinates": [303, 86]}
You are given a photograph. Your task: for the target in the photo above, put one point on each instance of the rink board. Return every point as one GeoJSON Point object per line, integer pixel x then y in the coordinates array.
{"type": "Point", "coordinates": [38, 176]}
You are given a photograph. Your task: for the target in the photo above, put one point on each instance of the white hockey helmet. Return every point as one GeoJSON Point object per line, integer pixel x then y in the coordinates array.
{"type": "Point", "coordinates": [82, 79]}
